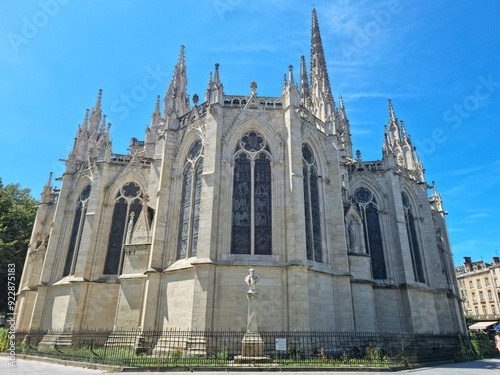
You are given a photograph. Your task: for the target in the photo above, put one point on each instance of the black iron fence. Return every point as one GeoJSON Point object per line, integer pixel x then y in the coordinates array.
{"type": "Point", "coordinates": [224, 348]}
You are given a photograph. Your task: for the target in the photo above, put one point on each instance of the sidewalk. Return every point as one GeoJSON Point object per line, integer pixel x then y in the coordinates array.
{"type": "Point", "coordinates": [28, 367]}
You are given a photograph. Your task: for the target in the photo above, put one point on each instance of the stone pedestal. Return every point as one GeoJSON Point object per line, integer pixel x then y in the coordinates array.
{"type": "Point", "coordinates": [252, 345]}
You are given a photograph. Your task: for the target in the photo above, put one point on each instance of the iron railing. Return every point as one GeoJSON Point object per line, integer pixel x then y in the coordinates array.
{"type": "Point", "coordinates": [224, 348]}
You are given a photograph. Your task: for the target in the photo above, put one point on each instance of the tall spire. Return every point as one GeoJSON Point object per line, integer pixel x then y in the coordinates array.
{"type": "Point", "coordinates": [95, 117]}
{"type": "Point", "coordinates": [320, 90]}
{"type": "Point", "coordinates": [393, 124]}
{"type": "Point", "coordinates": [176, 101]}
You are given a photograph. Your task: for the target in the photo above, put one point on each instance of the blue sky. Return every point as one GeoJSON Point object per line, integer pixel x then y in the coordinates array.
{"type": "Point", "coordinates": [438, 61]}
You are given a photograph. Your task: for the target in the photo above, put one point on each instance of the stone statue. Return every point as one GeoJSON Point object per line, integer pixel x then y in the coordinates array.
{"type": "Point", "coordinates": [252, 279]}
{"type": "Point", "coordinates": [353, 236]}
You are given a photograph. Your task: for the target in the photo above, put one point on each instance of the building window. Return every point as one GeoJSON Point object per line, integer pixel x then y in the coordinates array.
{"type": "Point", "coordinates": [497, 284]}
{"type": "Point", "coordinates": [493, 310]}
{"type": "Point", "coordinates": [478, 283]}
{"type": "Point", "coordinates": [190, 202]}
{"type": "Point", "coordinates": [476, 309]}
{"type": "Point", "coordinates": [471, 284]}
{"type": "Point", "coordinates": [76, 231]}
{"type": "Point", "coordinates": [411, 230]}
{"type": "Point", "coordinates": [311, 205]}
{"type": "Point", "coordinates": [127, 208]}
{"type": "Point", "coordinates": [485, 311]}
{"type": "Point", "coordinates": [251, 217]}
{"type": "Point", "coordinates": [474, 297]}
{"type": "Point", "coordinates": [490, 295]}
{"type": "Point", "coordinates": [368, 209]}
{"type": "Point", "coordinates": [481, 296]}
{"type": "Point", "coordinates": [486, 281]}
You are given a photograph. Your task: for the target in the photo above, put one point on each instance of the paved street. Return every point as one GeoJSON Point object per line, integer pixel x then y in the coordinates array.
{"type": "Point", "coordinates": [482, 367]}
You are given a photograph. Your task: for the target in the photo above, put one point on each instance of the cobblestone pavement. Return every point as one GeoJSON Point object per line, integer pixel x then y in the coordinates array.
{"type": "Point", "coordinates": [28, 367]}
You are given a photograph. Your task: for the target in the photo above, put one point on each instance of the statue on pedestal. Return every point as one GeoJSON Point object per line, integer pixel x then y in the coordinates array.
{"type": "Point", "coordinates": [252, 345]}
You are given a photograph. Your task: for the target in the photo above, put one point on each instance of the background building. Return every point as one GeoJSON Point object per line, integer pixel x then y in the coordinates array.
{"type": "Point", "coordinates": [162, 237]}
{"type": "Point", "coordinates": [479, 284]}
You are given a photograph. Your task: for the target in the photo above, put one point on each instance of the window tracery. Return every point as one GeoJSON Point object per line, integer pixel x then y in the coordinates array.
{"type": "Point", "coordinates": [311, 205]}
{"type": "Point", "coordinates": [251, 213]}
{"type": "Point", "coordinates": [411, 230]}
{"type": "Point", "coordinates": [76, 231]}
{"type": "Point", "coordinates": [367, 207]}
{"type": "Point", "coordinates": [127, 208]}
{"type": "Point", "coordinates": [190, 202]}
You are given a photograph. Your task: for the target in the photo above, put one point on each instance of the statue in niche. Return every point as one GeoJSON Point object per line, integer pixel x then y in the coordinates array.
{"type": "Point", "coordinates": [353, 236]}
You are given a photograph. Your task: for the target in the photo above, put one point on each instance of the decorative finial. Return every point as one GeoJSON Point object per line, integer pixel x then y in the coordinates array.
{"type": "Point", "coordinates": [291, 81]}
{"type": "Point", "coordinates": [358, 155]}
{"type": "Point", "coordinates": [216, 74]}
{"type": "Point", "coordinates": [157, 106]}
{"type": "Point", "coordinates": [195, 99]}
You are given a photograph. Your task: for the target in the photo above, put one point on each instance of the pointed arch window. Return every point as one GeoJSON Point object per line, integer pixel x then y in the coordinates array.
{"type": "Point", "coordinates": [411, 229]}
{"type": "Point", "coordinates": [190, 202]}
{"type": "Point", "coordinates": [311, 205]}
{"type": "Point", "coordinates": [127, 208]}
{"type": "Point", "coordinates": [76, 231]}
{"type": "Point", "coordinates": [251, 214]}
{"type": "Point", "coordinates": [368, 209]}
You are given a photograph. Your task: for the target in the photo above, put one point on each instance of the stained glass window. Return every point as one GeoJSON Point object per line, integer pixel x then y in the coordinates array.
{"type": "Point", "coordinates": [190, 202]}
{"type": "Point", "coordinates": [368, 209]}
{"type": "Point", "coordinates": [251, 214]}
{"type": "Point", "coordinates": [76, 232]}
{"type": "Point", "coordinates": [411, 230]}
{"type": "Point", "coordinates": [311, 206]}
{"type": "Point", "coordinates": [128, 201]}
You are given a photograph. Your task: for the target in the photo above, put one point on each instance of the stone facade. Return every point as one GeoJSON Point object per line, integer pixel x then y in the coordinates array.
{"type": "Point", "coordinates": [162, 238]}
{"type": "Point", "coordinates": [479, 284]}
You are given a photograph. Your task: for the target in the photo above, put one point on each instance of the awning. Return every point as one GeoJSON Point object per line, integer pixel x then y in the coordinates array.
{"type": "Point", "coordinates": [482, 325]}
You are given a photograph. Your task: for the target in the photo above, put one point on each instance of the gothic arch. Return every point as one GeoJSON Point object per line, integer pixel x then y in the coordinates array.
{"type": "Point", "coordinates": [117, 184]}
{"type": "Point", "coordinates": [246, 116]}
{"type": "Point", "coordinates": [367, 204]}
{"type": "Point", "coordinates": [414, 237]}
{"type": "Point", "coordinates": [190, 193]}
{"type": "Point", "coordinates": [312, 139]}
{"type": "Point", "coordinates": [406, 188]}
{"type": "Point", "coordinates": [79, 205]}
{"type": "Point", "coordinates": [234, 135]}
{"type": "Point", "coordinates": [184, 147]}
{"type": "Point", "coordinates": [373, 186]}
{"type": "Point", "coordinates": [314, 215]}
{"type": "Point", "coordinates": [251, 231]}
{"type": "Point", "coordinates": [127, 203]}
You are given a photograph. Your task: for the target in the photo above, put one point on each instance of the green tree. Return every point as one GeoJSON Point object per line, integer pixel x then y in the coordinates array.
{"type": "Point", "coordinates": [17, 214]}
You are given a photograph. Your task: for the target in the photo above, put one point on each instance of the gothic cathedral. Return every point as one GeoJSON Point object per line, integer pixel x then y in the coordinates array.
{"type": "Point", "coordinates": [162, 237]}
